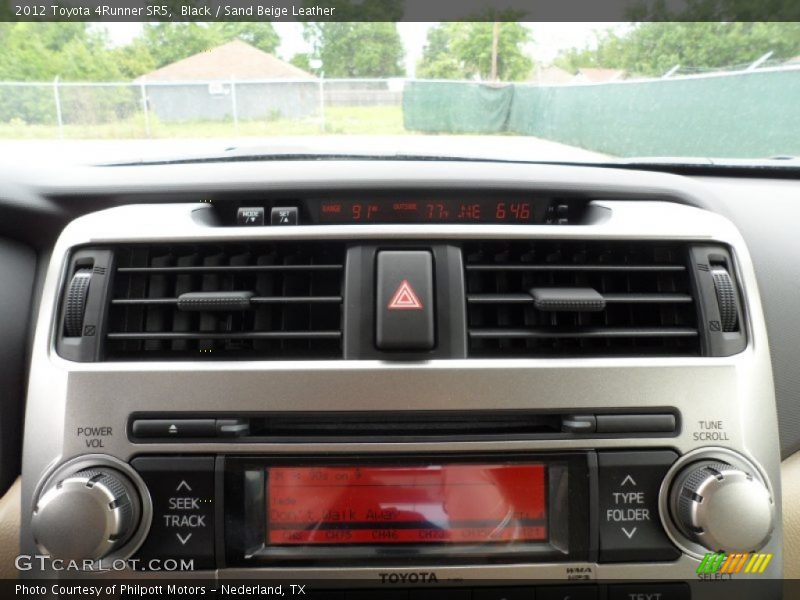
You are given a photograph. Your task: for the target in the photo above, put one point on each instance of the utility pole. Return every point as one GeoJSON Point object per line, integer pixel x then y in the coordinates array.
{"type": "Point", "coordinates": [59, 118]}
{"type": "Point", "coordinates": [316, 64]}
{"type": "Point", "coordinates": [495, 39]}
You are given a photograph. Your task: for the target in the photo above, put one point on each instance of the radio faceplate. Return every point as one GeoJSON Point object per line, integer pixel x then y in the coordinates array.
{"type": "Point", "coordinates": [732, 395]}
{"type": "Point", "coordinates": [267, 510]}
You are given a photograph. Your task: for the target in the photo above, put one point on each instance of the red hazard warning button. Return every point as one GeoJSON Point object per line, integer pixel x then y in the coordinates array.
{"type": "Point", "coordinates": [404, 300]}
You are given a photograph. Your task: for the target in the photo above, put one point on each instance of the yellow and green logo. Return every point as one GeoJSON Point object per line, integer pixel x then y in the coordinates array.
{"type": "Point", "coordinates": [746, 562]}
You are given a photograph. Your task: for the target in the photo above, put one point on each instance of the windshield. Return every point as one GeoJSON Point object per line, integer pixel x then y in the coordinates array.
{"type": "Point", "coordinates": [580, 92]}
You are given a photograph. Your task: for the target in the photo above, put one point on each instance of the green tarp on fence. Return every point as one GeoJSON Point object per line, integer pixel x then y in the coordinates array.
{"type": "Point", "coordinates": [755, 114]}
{"type": "Point", "coordinates": [456, 107]}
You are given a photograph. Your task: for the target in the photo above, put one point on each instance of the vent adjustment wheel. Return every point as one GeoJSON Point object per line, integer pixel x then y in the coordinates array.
{"type": "Point", "coordinates": [75, 305]}
{"type": "Point", "coordinates": [726, 298]}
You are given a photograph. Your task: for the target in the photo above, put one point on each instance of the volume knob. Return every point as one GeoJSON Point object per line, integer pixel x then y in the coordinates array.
{"type": "Point", "coordinates": [86, 515]}
{"type": "Point", "coordinates": [722, 507]}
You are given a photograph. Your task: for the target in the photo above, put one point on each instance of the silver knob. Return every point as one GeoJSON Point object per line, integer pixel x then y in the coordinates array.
{"type": "Point", "coordinates": [722, 508]}
{"type": "Point", "coordinates": [86, 515]}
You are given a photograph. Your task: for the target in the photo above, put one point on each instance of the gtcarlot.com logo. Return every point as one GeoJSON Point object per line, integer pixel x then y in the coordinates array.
{"type": "Point", "coordinates": [42, 562]}
{"type": "Point", "coordinates": [731, 564]}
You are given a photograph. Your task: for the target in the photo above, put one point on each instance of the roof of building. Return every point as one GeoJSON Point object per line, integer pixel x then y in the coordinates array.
{"type": "Point", "coordinates": [599, 75]}
{"type": "Point", "coordinates": [550, 74]}
{"type": "Point", "coordinates": [234, 60]}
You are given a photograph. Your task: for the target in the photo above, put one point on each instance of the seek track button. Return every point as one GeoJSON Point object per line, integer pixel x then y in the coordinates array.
{"type": "Point", "coordinates": [182, 492]}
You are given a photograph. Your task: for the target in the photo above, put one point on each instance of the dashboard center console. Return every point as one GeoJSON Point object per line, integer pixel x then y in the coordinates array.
{"type": "Point", "coordinates": [381, 385]}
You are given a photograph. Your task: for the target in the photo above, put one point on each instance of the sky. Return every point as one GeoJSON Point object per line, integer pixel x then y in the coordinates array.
{"type": "Point", "coordinates": [549, 38]}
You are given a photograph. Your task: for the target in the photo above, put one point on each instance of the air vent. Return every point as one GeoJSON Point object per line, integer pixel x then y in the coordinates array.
{"type": "Point", "coordinates": [568, 298]}
{"type": "Point", "coordinates": [254, 301]}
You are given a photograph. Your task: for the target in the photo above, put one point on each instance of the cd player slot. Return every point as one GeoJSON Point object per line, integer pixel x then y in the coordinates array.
{"type": "Point", "coordinates": [402, 426]}
{"type": "Point", "coordinates": [376, 424]}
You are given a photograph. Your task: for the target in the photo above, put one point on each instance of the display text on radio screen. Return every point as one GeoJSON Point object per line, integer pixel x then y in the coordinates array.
{"type": "Point", "coordinates": [427, 211]}
{"type": "Point", "coordinates": [475, 503]}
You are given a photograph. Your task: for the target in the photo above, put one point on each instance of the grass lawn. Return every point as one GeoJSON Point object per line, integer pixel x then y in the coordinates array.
{"type": "Point", "coordinates": [378, 120]}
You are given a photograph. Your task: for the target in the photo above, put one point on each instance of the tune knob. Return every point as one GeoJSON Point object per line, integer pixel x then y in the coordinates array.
{"type": "Point", "coordinates": [722, 508]}
{"type": "Point", "coordinates": [86, 515]}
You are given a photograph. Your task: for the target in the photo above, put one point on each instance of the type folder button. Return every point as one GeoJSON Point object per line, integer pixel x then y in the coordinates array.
{"type": "Point", "coordinates": [630, 526]}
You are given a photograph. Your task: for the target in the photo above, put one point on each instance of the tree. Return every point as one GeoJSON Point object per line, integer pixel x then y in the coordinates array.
{"type": "Point", "coordinates": [438, 61]}
{"type": "Point", "coordinates": [134, 59]}
{"type": "Point", "coordinates": [302, 61]}
{"type": "Point", "coordinates": [42, 51]}
{"type": "Point", "coordinates": [170, 42]}
{"type": "Point", "coordinates": [76, 51]}
{"type": "Point", "coordinates": [70, 51]}
{"type": "Point", "coordinates": [87, 58]}
{"type": "Point", "coordinates": [744, 11]}
{"type": "Point", "coordinates": [357, 49]}
{"type": "Point", "coordinates": [262, 35]}
{"type": "Point", "coordinates": [653, 48]}
{"type": "Point", "coordinates": [464, 51]}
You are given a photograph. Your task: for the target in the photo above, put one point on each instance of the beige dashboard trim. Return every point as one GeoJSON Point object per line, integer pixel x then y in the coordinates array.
{"type": "Point", "coordinates": [790, 476]}
{"type": "Point", "coordinates": [10, 512]}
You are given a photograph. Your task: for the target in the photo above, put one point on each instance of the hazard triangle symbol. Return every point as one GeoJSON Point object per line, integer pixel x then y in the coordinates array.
{"type": "Point", "coordinates": [404, 298]}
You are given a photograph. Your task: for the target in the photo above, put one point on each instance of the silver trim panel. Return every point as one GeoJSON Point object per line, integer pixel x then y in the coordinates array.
{"type": "Point", "coordinates": [736, 391]}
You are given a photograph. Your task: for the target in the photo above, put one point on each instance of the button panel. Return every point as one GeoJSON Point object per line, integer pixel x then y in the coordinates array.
{"type": "Point", "coordinates": [630, 527]}
{"type": "Point", "coordinates": [182, 492]}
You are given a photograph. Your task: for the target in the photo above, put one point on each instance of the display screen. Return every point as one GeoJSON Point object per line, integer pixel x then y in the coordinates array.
{"type": "Point", "coordinates": [429, 211]}
{"type": "Point", "coordinates": [427, 504]}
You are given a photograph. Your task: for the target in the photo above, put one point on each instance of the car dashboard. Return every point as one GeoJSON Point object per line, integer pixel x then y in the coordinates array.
{"type": "Point", "coordinates": [453, 374]}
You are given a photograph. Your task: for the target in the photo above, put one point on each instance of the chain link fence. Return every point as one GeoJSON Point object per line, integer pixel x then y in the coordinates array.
{"type": "Point", "coordinates": [155, 109]}
{"type": "Point", "coordinates": [739, 111]}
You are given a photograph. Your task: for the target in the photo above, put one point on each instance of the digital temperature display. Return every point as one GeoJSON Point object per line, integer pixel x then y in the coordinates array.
{"type": "Point", "coordinates": [429, 211]}
{"type": "Point", "coordinates": [446, 504]}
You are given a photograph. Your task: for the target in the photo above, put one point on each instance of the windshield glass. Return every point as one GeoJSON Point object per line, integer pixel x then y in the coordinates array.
{"type": "Point", "coordinates": [528, 91]}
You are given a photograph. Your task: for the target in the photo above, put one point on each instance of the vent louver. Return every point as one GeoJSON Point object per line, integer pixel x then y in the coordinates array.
{"type": "Point", "coordinates": [618, 298]}
{"type": "Point", "coordinates": [266, 301]}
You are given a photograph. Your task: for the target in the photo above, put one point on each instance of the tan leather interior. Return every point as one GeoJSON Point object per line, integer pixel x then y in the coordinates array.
{"type": "Point", "coordinates": [9, 530]}
{"type": "Point", "coordinates": [790, 482]}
